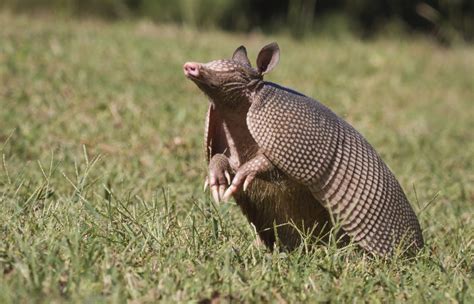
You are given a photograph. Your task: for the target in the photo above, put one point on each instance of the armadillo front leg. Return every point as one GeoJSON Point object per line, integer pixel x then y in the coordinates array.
{"type": "Point", "coordinates": [218, 177]}
{"type": "Point", "coordinates": [246, 174]}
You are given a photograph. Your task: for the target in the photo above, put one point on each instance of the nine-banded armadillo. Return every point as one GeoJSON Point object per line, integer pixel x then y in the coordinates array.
{"type": "Point", "coordinates": [292, 160]}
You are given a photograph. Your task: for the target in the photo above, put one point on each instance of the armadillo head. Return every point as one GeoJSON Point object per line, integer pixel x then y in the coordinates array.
{"type": "Point", "coordinates": [230, 81]}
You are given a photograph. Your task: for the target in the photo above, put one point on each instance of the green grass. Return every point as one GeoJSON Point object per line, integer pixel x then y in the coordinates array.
{"type": "Point", "coordinates": [101, 178]}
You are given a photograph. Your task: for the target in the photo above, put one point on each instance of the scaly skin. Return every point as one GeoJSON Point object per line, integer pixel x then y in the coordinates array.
{"type": "Point", "coordinates": [310, 143]}
{"type": "Point", "coordinates": [299, 161]}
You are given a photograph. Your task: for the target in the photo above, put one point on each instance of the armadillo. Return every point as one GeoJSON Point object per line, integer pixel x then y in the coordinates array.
{"type": "Point", "coordinates": [293, 165]}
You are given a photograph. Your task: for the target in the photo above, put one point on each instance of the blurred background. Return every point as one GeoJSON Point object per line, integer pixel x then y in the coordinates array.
{"type": "Point", "coordinates": [445, 20]}
{"type": "Point", "coordinates": [102, 159]}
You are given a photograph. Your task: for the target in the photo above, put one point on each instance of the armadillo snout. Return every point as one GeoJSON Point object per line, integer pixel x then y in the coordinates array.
{"type": "Point", "coordinates": [191, 69]}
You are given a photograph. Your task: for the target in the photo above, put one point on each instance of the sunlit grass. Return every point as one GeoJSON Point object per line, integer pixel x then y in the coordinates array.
{"type": "Point", "coordinates": [102, 166]}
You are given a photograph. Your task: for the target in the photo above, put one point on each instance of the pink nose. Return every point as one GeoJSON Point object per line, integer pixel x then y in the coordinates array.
{"type": "Point", "coordinates": [191, 69]}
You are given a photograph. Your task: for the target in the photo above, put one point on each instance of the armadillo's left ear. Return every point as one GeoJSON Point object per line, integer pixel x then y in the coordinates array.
{"type": "Point", "coordinates": [268, 58]}
{"type": "Point", "coordinates": [240, 55]}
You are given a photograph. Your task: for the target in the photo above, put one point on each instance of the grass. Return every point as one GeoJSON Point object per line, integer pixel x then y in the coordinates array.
{"type": "Point", "coordinates": [102, 167]}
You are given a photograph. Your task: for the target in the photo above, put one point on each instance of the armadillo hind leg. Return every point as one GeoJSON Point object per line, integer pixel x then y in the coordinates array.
{"type": "Point", "coordinates": [284, 212]}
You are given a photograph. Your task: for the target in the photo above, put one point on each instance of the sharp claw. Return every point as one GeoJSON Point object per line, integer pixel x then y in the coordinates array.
{"type": "Point", "coordinates": [206, 184]}
{"type": "Point", "coordinates": [247, 182]}
{"type": "Point", "coordinates": [227, 176]}
{"type": "Point", "coordinates": [221, 191]}
{"type": "Point", "coordinates": [215, 194]}
{"type": "Point", "coordinates": [227, 195]}
{"type": "Point", "coordinates": [229, 192]}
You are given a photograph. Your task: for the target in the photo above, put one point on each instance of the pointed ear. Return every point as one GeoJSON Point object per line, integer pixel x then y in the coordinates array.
{"type": "Point", "coordinates": [268, 58]}
{"type": "Point", "coordinates": [240, 55]}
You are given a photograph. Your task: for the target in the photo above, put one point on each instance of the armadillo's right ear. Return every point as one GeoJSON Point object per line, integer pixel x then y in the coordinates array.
{"type": "Point", "coordinates": [268, 58]}
{"type": "Point", "coordinates": [240, 55]}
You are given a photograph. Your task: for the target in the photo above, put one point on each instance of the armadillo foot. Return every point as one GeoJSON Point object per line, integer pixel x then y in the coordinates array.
{"type": "Point", "coordinates": [240, 178]}
{"type": "Point", "coordinates": [218, 177]}
{"type": "Point", "coordinates": [247, 173]}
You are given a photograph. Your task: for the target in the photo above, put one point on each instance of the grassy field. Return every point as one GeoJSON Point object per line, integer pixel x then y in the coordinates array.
{"type": "Point", "coordinates": [102, 167]}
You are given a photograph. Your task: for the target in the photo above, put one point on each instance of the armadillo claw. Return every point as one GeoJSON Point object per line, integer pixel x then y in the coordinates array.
{"type": "Point", "coordinates": [227, 177]}
{"type": "Point", "coordinates": [237, 182]}
{"type": "Point", "coordinates": [215, 193]}
{"type": "Point", "coordinates": [229, 192]}
{"type": "Point", "coordinates": [247, 181]}
{"type": "Point", "coordinates": [218, 176]}
{"type": "Point", "coordinates": [206, 184]}
{"type": "Point", "coordinates": [217, 184]}
{"type": "Point", "coordinates": [221, 191]}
